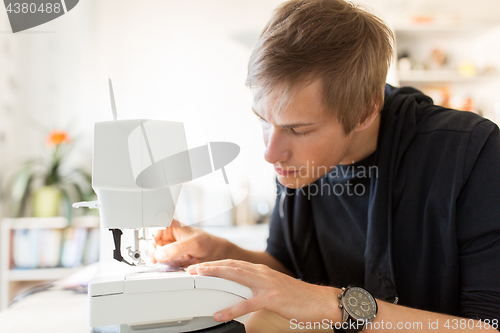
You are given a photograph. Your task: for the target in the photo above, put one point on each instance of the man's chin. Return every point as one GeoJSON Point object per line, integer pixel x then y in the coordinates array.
{"type": "Point", "coordinates": [295, 182]}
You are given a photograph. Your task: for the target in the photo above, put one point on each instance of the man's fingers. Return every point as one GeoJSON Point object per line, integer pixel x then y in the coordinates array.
{"type": "Point", "coordinates": [236, 274]}
{"type": "Point", "coordinates": [164, 236]}
{"type": "Point", "coordinates": [240, 309]}
{"type": "Point", "coordinates": [242, 272]}
{"type": "Point", "coordinates": [175, 224]}
{"type": "Point", "coordinates": [172, 251]}
{"type": "Point", "coordinates": [228, 263]}
{"type": "Point", "coordinates": [151, 251]}
{"type": "Point", "coordinates": [167, 235]}
{"type": "Point", "coordinates": [172, 233]}
{"type": "Point", "coordinates": [183, 261]}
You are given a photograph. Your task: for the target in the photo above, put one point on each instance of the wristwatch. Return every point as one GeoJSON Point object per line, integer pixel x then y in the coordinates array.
{"type": "Point", "coordinates": [359, 308]}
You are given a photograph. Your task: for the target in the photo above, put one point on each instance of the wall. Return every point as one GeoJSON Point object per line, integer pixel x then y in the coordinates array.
{"type": "Point", "coordinates": [169, 60]}
{"type": "Point", "coordinates": [468, 32]}
{"type": "Point", "coordinates": [45, 87]}
{"type": "Point", "coordinates": [172, 60]}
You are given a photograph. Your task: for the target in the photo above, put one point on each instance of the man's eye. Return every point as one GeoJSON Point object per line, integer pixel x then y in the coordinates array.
{"type": "Point", "coordinates": [294, 132]}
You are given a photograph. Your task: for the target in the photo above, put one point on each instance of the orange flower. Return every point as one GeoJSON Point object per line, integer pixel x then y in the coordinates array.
{"type": "Point", "coordinates": [57, 137]}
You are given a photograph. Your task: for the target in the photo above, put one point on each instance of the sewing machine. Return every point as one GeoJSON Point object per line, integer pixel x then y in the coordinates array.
{"type": "Point", "coordinates": [137, 171]}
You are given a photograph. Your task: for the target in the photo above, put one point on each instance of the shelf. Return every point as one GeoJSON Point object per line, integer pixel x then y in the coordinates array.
{"type": "Point", "coordinates": [40, 274]}
{"type": "Point", "coordinates": [57, 222]}
{"type": "Point", "coordinates": [443, 30]}
{"type": "Point", "coordinates": [444, 76]}
{"type": "Point", "coordinates": [11, 279]}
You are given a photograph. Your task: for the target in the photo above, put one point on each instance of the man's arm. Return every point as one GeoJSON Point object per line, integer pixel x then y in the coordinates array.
{"type": "Point", "coordinates": [303, 302]}
{"type": "Point", "coordinates": [185, 245]}
{"type": "Point", "coordinates": [235, 252]}
{"type": "Point", "coordinates": [400, 318]}
{"type": "Point", "coordinates": [284, 295]}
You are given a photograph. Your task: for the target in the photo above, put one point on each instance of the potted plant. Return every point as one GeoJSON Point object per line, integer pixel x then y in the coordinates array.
{"type": "Point", "coordinates": [50, 183]}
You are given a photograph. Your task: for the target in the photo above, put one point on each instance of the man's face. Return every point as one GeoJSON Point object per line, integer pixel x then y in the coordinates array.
{"type": "Point", "coordinates": [303, 140]}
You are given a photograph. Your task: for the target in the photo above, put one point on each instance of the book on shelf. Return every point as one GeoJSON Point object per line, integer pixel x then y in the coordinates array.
{"type": "Point", "coordinates": [74, 243]}
{"type": "Point", "coordinates": [34, 247]}
{"type": "Point", "coordinates": [48, 248]}
{"type": "Point", "coordinates": [20, 248]}
{"type": "Point", "coordinates": [91, 253]}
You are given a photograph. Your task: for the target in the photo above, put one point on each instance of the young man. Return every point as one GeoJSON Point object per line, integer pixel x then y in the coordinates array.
{"type": "Point", "coordinates": [377, 188]}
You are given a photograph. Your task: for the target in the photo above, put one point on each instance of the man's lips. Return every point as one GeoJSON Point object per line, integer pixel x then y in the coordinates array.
{"type": "Point", "coordinates": [285, 172]}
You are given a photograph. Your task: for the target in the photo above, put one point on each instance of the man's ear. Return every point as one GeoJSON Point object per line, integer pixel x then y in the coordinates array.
{"type": "Point", "coordinates": [369, 120]}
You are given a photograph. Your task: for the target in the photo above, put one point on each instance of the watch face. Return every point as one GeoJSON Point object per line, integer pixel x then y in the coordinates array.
{"type": "Point", "coordinates": [360, 303]}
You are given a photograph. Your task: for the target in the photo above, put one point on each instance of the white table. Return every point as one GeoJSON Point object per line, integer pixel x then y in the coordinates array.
{"type": "Point", "coordinates": [54, 311]}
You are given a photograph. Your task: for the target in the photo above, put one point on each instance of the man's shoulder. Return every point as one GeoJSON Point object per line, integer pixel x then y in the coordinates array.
{"type": "Point", "coordinates": [418, 111]}
{"type": "Point", "coordinates": [436, 118]}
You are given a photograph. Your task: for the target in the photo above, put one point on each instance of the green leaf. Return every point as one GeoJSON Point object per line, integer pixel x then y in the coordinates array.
{"type": "Point", "coordinates": [20, 190]}
{"type": "Point", "coordinates": [78, 191]}
{"type": "Point", "coordinates": [85, 175]}
{"type": "Point", "coordinates": [88, 181]}
{"type": "Point", "coordinates": [67, 202]}
{"type": "Point", "coordinates": [26, 196]}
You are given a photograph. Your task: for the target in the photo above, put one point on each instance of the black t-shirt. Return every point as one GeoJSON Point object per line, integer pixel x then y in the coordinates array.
{"type": "Point", "coordinates": [340, 215]}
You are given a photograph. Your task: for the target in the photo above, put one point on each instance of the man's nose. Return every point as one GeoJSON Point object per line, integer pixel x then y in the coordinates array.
{"type": "Point", "coordinates": [277, 149]}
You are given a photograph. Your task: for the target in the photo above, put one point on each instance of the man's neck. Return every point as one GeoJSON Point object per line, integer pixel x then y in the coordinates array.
{"type": "Point", "coordinates": [363, 144]}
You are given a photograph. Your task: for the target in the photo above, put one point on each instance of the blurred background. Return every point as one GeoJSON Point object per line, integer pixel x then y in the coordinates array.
{"type": "Point", "coordinates": [185, 61]}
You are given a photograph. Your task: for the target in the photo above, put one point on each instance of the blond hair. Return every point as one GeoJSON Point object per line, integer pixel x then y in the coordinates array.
{"type": "Point", "coordinates": [346, 47]}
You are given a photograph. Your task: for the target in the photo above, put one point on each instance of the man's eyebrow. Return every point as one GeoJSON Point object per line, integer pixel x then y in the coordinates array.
{"type": "Point", "coordinates": [296, 125]}
{"type": "Point", "coordinates": [288, 126]}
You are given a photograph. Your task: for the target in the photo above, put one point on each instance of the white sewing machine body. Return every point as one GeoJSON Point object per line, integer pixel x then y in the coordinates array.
{"type": "Point", "coordinates": [138, 167]}
{"type": "Point", "coordinates": [159, 299]}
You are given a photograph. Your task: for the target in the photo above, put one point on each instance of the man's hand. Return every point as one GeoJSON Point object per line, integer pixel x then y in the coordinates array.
{"type": "Point", "coordinates": [273, 291]}
{"type": "Point", "coordinates": [183, 245]}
